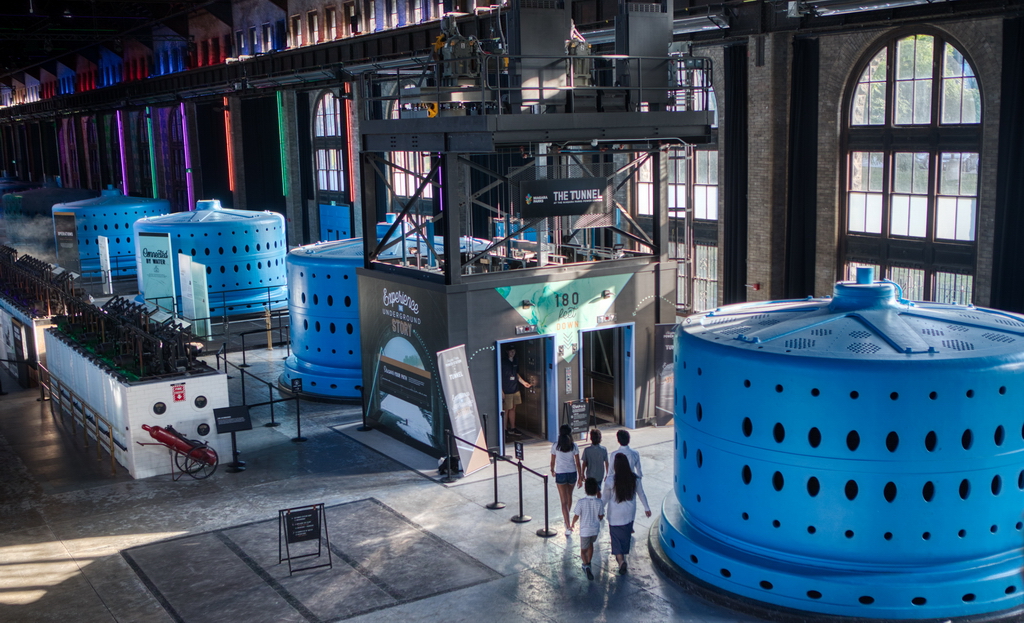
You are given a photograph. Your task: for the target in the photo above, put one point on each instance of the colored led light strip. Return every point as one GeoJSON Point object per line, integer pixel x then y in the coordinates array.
{"type": "Point", "coordinates": [124, 157]}
{"type": "Point", "coordinates": [152, 153]}
{"type": "Point", "coordinates": [284, 149]}
{"type": "Point", "coordinates": [188, 159]}
{"type": "Point", "coordinates": [231, 151]}
{"type": "Point", "coordinates": [350, 146]}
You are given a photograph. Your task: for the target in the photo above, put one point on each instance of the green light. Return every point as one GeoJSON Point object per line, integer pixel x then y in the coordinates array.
{"type": "Point", "coordinates": [152, 152]}
{"type": "Point", "coordinates": [281, 138]}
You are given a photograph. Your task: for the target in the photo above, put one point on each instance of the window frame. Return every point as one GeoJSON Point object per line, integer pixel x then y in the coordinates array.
{"type": "Point", "coordinates": [935, 256]}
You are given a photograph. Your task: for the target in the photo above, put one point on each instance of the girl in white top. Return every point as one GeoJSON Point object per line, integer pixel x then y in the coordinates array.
{"type": "Point", "coordinates": [621, 489]}
{"type": "Point", "coordinates": [565, 467]}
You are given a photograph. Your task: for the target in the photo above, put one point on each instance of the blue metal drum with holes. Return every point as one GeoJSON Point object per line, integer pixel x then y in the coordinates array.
{"type": "Point", "coordinates": [860, 455]}
{"type": "Point", "coordinates": [243, 251]}
{"type": "Point", "coordinates": [111, 215]}
{"type": "Point", "coordinates": [324, 312]}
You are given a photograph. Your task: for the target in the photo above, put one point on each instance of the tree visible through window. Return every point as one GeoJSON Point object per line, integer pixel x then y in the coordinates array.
{"type": "Point", "coordinates": [912, 159]}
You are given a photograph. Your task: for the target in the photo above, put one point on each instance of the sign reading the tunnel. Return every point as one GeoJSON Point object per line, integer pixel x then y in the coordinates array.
{"type": "Point", "coordinates": [565, 197]}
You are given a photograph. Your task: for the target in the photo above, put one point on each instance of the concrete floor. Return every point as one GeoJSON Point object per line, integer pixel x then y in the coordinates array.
{"type": "Point", "coordinates": [77, 544]}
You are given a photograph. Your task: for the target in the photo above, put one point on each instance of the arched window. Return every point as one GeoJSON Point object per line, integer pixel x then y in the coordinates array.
{"type": "Point", "coordinates": [912, 158]}
{"type": "Point", "coordinates": [329, 144]}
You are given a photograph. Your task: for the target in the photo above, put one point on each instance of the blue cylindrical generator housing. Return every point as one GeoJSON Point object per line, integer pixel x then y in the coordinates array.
{"type": "Point", "coordinates": [324, 311]}
{"type": "Point", "coordinates": [244, 254]}
{"type": "Point", "coordinates": [111, 215]}
{"type": "Point", "coordinates": [860, 455]}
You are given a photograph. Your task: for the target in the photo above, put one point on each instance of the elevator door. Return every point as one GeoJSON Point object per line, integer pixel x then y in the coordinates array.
{"type": "Point", "coordinates": [530, 416]}
{"type": "Point", "coordinates": [603, 374]}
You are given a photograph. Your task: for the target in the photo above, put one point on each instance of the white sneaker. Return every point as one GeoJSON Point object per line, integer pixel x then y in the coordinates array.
{"type": "Point", "coordinates": [568, 532]}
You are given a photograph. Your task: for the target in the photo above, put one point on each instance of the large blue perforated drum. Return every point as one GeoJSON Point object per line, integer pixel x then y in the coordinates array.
{"type": "Point", "coordinates": [111, 215]}
{"type": "Point", "coordinates": [243, 251]}
{"type": "Point", "coordinates": [860, 455]}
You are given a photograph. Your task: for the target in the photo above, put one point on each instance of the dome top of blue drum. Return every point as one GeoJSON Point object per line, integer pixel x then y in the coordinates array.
{"type": "Point", "coordinates": [857, 455]}
{"type": "Point", "coordinates": [111, 198]}
{"type": "Point", "coordinates": [209, 211]}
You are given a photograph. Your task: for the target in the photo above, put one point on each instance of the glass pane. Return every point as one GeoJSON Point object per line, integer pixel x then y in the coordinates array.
{"type": "Point", "coordinates": [859, 113]}
{"type": "Point", "coordinates": [900, 215]}
{"type": "Point", "coordinates": [920, 173]}
{"type": "Point", "coordinates": [904, 103]}
{"type": "Point", "coordinates": [910, 280]}
{"type": "Point", "coordinates": [877, 104]}
{"type": "Point", "coordinates": [949, 174]}
{"type": "Point", "coordinates": [713, 167]}
{"type": "Point", "coordinates": [945, 218]}
{"type": "Point", "coordinates": [965, 208]}
{"type": "Point", "coordinates": [952, 90]}
{"type": "Point", "coordinates": [876, 67]}
{"type": "Point", "coordinates": [905, 59]}
{"type": "Point", "coordinates": [971, 102]}
{"type": "Point", "coordinates": [700, 202]}
{"type": "Point", "coordinates": [873, 214]}
{"type": "Point", "coordinates": [923, 63]}
{"type": "Point", "coordinates": [969, 174]}
{"type": "Point", "coordinates": [922, 101]}
{"type": "Point", "coordinates": [904, 172]}
{"type": "Point", "coordinates": [952, 62]}
{"type": "Point", "coordinates": [712, 203]}
{"type": "Point", "coordinates": [918, 226]}
{"type": "Point", "coordinates": [953, 288]}
{"type": "Point", "coordinates": [857, 211]}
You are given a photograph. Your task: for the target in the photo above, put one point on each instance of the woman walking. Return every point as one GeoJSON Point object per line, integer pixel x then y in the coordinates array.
{"type": "Point", "coordinates": [620, 492]}
{"type": "Point", "coordinates": [565, 467]}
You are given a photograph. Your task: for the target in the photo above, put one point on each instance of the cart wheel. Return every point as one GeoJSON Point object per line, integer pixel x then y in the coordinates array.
{"type": "Point", "coordinates": [182, 461]}
{"type": "Point", "coordinates": [196, 467]}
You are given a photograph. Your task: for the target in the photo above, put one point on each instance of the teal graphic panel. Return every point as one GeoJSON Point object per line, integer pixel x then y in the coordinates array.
{"type": "Point", "coordinates": [564, 308]}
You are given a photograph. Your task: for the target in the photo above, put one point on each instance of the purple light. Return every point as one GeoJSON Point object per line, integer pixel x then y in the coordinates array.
{"type": "Point", "coordinates": [188, 159]}
{"type": "Point", "coordinates": [124, 157]}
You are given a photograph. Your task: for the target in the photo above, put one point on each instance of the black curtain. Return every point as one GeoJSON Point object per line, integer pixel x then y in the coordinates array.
{"type": "Point", "coordinates": [304, 123]}
{"type": "Point", "coordinates": [261, 146]}
{"type": "Point", "coordinates": [734, 177]}
{"type": "Point", "coordinates": [1008, 252]}
{"type": "Point", "coordinates": [213, 154]}
{"type": "Point", "coordinates": [801, 212]}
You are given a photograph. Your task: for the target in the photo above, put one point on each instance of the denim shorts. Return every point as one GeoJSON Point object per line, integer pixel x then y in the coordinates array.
{"type": "Point", "coordinates": [568, 478]}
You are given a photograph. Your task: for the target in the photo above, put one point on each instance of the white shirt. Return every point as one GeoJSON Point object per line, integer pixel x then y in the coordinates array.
{"type": "Point", "coordinates": [622, 513]}
{"type": "Point", "coordinates": [590, 510]}
{"type": "Point", "coordinates": [564, 461]}
{"type": "Point", "coordinates": [634, 460]}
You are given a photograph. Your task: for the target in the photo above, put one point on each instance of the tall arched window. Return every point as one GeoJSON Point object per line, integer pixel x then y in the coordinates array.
{"type": "Point", "coordinates": [912, 156]}
{"type": "Point", "coordinates": [329, 144]}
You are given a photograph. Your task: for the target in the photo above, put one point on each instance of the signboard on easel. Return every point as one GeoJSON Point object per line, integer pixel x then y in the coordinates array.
{"type": "Point", "coordinates": [298, 525]}
{"type": "Point", "coordinates": [576, 413]}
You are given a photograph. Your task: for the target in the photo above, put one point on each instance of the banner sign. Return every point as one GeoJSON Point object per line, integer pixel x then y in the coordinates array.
{"type": "Point", "coordinates": [664, 370]}
{"type": "Point", "coordinates": [564, 197]}
{"type": "Point", "coordinates": [200, 300]}
{"type": "Point", "coordinates": [564, 308]}
{"type": "Point", "coordinates": [108, 279]}
{"type": "Point", "coordinates": [156, 271]}
{"type": "Point", "coordinates": [67, 241]}
{"type": "Point", "coordinates": [462, 409]}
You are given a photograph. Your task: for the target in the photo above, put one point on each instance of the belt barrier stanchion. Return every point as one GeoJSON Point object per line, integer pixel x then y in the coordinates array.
{"type": "Point", "coordinates": [546, 531]}
{"type": "Point", "coordinates": [270, 394]}
{"type": "Point", "coordinates": [244, 401]}
{"type": "Point", "coordinates": [521, 517]}
{"type": "Point", "coordinates": [244, 365]}
{"type": "Point", "coordinates": [449, 478]}
{"type": "Point", "coordinates": [298, 422]}
{"type": "Point", "coordinates": [495, 505]}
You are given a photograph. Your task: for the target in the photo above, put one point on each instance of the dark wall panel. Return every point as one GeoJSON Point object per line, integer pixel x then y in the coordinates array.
{"type": "Point", "coordinates": [801, 221]}
{"type": "Point", "coordinates": [261, 146]}
{"type": "Point", "coordinates": [734, 176]}
{"type": "Point", "coordinates": [213, 154]}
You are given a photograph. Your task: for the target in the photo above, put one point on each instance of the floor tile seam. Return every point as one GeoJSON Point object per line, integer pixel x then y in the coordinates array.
{"type": "Point", "coordinates": [370, 576]}
{"type": "Point", "coordinates": [268, 579]}
{"type": "Point", "coordinates": [440, 540]}
{"type": "Point", "coordinates": [152, 587]}
{"type": "Point", "coordinates": [379, 452]}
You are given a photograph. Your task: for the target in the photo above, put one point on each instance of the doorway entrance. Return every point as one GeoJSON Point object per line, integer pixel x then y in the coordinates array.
{"type": "Point", "coordinates": [607, 373]}
{"type": "Point", "coordinates": [532, 359]}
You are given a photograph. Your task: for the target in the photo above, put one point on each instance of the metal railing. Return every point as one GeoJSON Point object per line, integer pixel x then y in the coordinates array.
{"type": "Point", "coordinates": [270, 386]}
{"type": "Point", "coordinates": [512, 84]}
{"type": "Point", "coordinates": [67, 405]}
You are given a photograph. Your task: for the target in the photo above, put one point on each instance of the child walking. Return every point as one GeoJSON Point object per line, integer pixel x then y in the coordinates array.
{"type": "Point", "coordinates": [589, 512]}
{"type": "Point", "coordinates": [595, 460]}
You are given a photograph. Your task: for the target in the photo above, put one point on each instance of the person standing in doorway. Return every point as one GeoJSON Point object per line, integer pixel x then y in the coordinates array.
{"type": "Point", "coordinates": [510, 383]}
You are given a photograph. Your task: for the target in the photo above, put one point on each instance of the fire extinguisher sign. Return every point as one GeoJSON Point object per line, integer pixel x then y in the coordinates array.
{"type": "Point", "coordinates": [179, 392]}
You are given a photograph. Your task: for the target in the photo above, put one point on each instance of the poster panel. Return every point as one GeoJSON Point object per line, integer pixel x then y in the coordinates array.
{"type": "Point", "coordinates": [200, 301]}
{"type": "Point", "coordinates": [67, 241]}
{"type": "Point", "coordinates": [105, 275]}
{"type": "Point", "coordinates": [462, 408]}
{"type": "Point", "coordinates": [664, 370]}
{"type": "Point", "coordinates": [156, 270]}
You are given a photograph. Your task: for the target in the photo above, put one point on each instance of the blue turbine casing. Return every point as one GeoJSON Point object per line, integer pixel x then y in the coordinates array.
{"type": "Point", "coordinates": [111, 215]}
{"type": "Point", "coordinates": [858, 456]}
{"type": "Point", "coordinates": [244, 253]}
{"type": "Point", "coordinates": [324, 312]}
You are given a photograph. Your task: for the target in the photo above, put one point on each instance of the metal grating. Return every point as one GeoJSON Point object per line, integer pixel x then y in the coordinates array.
{"type": "Point", "coordinates": [957, 345]}
{"type": "Point", "coordinates": [860, 335]}
{"type": "Point", "coordinates": [863, 348]}
{"type": "Point", "coordinates": [821, 332]}
{"type": "Point", "coordinates": [714, 321]}
{"type": "Point", "coordinates": [956, 327]}
{"type": "Point", "coordinates": [1008, 322]}
{"type": "Point", "coordinates": [999, 337]}
{"type": "Point", "coordinates": [769, 322]}
{"type": "Point", "coordinates": [935, 332]}
{"type": "Point", "coordinates": [799, 343]}
{"type": "Point", "coordinates": [735, 330]}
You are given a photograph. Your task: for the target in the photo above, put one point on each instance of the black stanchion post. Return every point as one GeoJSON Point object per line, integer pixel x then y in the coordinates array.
{"type": "Point", "coordinates": [244, 365]}
{"type": "Point", "coordinates": [495, 505]}
{"type": "Point", "coordinates": [546, 531]}
{"type": "Point", "coordinates": [298, 422]}
{"type": "Point", "coordinates": [521, 517]}
{"type": "Point", "coordinates": [362, 405]}
{"type": "Point", "coordinates": [270, 394]}
{"type": "Point", "coordinates": [448, 457]}
{"type": "Point", "coordinates": [244, 401]}
{"type": "Point", "coordinates": [235, 465]}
